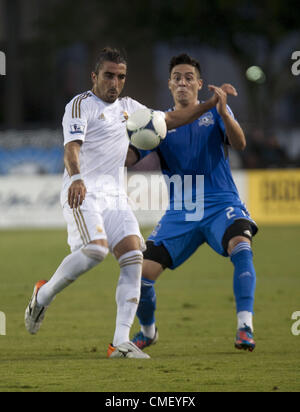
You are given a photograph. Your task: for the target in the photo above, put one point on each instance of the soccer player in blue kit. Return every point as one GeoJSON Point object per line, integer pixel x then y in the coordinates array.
{"type": "Point", "coordinates": [195, 150]}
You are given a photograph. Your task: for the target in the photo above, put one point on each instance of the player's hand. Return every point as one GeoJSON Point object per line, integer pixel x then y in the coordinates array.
{"type": "Point", "coordinates": [229, 89]}
{"type": "Point", "coordinates": [76, 194]}
{"type": "Point", "coordinates": [226, 87]}
{"type": "Point", "coordinates": [214, 98]}
{"type": "Point", "coordinates": [221, 97]}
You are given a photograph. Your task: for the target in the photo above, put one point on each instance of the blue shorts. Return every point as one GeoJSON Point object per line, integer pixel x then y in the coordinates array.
{"type": "Point", "coordinates": [182, 238]}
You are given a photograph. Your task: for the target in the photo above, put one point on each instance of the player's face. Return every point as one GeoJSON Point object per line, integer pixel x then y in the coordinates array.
{"type": "Point", "coordinates": [185, 84]}
{"type": "Point", "coordinates": [109, 82]}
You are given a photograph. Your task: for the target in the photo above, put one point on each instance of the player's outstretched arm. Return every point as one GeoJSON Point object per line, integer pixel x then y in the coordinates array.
{"type": "Point", "coordinates": [181, 117]}
{"type": "Point", "coordinates": [77, 189]}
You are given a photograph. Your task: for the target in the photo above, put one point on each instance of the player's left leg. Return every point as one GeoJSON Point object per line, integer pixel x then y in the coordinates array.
{"type": "Point", "coordinates": [127, 244]}
{"type": "Point", "coordinates": [240, 252]}
{"type": "Point", "coordinates": [230, 234]}
{"type": "Point", "coordinates": [130, 258]}
{"type": "Point", "coordinates": [244, 280]}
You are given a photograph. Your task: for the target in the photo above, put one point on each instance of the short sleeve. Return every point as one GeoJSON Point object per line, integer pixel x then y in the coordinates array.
{"type": "Point", "coordinates": [74, 122]}
{"type": "Point", "coordinates": [133, 105]}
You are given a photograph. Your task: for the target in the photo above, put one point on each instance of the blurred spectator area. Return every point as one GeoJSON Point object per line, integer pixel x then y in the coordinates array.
{"type": "Point", "coordinates": [31, 152]}
{"type": "Point", "coordinates": [40, 151]}
{"type": "Point", "coordinates": [272, 149]}
{"type": "Point", "coordinates": [51, 48]}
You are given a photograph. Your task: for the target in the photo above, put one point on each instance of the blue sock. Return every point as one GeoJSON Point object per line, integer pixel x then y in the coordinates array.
{"type": "Point", "coordinates": [244, 280]}
{"type": "Point", "coordinates": [147, 305]}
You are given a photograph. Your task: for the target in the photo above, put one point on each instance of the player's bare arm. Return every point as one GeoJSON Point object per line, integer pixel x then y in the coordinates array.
{"type": "Point", "coordinates": [180, 117]}
{"type": "Point", "coordinates": [132, 157]}
{"type": "Point", "coordinates": [233, 130]}
{"type": "Point", "coordinates": [77, 190]}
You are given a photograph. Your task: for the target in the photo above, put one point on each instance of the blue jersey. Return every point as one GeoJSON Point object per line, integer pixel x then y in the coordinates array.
{"type": "Point", "coordinates": [198, 149]}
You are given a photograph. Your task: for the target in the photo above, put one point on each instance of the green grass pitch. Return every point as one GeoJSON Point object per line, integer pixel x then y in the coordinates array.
{"type": "Point", "coordinates": [195, 316]}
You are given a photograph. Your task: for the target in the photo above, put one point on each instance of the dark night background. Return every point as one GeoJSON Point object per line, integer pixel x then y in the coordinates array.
{"type": "Point", "coordinates": [51, 47]}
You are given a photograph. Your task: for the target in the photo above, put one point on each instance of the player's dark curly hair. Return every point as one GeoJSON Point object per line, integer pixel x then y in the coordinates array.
{"type": "Point", "coordinates": [184, 59]}
{"type": "Point", "coordinates": [112, 55]}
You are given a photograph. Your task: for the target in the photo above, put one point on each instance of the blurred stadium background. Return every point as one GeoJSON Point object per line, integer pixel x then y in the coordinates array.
{"type": "Point", "coordinates": [50, 49]}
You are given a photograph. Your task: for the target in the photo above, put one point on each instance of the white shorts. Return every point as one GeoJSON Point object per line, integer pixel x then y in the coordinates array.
{"type": "Point", "coordinates": [101, 216]}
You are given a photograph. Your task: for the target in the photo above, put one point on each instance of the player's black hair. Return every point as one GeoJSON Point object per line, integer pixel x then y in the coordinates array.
{"type": "Point", "coordinates": [110, 54]}
{"type": "Point", "coordinates": [184, 59]}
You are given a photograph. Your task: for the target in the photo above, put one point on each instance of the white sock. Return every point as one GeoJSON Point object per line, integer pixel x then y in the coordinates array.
{"type": "Point", "coordinates": [245, 318]}
{"type": "Point", "coordinates": [127, 294]}
{"type": "Point", "coordinates": [149, 330]}
{"type": "Point", "coordinates": [70, 269]}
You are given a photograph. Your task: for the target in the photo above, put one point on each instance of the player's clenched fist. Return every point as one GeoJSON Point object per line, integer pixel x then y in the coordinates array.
{"type": "Point", "coordinates": [76, 194]}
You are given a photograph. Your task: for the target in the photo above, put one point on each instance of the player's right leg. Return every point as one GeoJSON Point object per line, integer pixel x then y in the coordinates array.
{"type": "Point", "coordinates": [74, 265]}
{"type": "Point", "coordinates": [170, 244]}
{"type": "Point", "coordinates": [89, 247]}
{"type": "Point", "coordinates": [148, 335]}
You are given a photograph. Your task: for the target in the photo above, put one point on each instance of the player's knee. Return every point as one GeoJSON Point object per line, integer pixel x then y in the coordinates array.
{"type": "Point", "coordinates": [95, 252]}
{"type": "Point", "coordinates": [151, 270]}
{"type": "Point", "coordinates": [131, 266]}
{"type": "Point", "coordinates": [235, 241]}
{"type": "Point", "coordinates": [129, 284]}
{"type": "Point", "coordinates": [156, 260]}
{"type": "Point", "coordinates": [127, 245]}
{"type": "Point", "coordinates": [240, 231]}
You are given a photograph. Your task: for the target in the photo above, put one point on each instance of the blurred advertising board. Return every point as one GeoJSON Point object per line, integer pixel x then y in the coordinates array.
{"type": "Point", "coordinates": [274, 196]}
{"type": "Point", "coordinates": [30, 201]}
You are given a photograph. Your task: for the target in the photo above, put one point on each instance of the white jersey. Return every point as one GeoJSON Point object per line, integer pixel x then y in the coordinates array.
{"type": "Point", "coordinates": [101, 127]}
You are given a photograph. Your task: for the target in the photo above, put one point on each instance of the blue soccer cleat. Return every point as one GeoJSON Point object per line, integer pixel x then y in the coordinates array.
{"type": "Point", "coordinates": [142, 341]}
{"type": "Point", "coordinates": [244, 339]}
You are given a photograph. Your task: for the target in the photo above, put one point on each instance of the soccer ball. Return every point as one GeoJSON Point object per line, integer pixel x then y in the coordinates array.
{"type": "Point", "coordinates": [146, 128]}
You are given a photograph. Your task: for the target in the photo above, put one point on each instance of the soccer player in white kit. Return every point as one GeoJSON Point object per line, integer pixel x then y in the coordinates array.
{"type": "Point", "coordinates": [94, 200]}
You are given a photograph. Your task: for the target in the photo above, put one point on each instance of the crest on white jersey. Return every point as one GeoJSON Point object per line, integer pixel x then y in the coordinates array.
{"type": "Point", "coordinates": [124, 116]}
{"type": "Point", "coordinates": [102, 117]}
{"type": "Point", "coordinates": [77, 129]}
